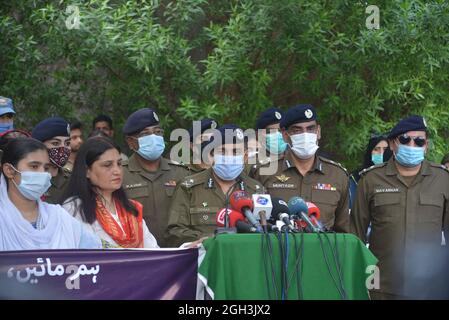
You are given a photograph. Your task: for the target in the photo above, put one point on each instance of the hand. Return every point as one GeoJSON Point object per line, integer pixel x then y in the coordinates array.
{"type": "Point", "coordinates": [197, 243]}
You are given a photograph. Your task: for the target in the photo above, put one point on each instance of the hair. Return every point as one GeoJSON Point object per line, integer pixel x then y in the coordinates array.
{"type": "Point", "coordinates": [76, 125]}
{"type": "Point", "coordinates": [102, 117]}
{"type": "Point", "coordinates": [79, 185]}
{"type": "Point", "coordinates": [16, 149]}
{"type": "Point", "coordinates": [98, 133]}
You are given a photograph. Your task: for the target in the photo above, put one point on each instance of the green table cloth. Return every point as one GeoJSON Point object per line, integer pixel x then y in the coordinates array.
{"type": "Point", "coordinates": [320, 266]}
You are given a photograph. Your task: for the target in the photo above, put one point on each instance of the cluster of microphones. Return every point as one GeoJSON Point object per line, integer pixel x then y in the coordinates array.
{"type": "Point", "coordinates": [262, 213]}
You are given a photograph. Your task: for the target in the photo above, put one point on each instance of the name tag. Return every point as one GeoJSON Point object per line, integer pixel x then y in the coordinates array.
{"type": "Point", "coordinates": [284, 185]}
{"type": "Point", "coordinates": [384, 190]}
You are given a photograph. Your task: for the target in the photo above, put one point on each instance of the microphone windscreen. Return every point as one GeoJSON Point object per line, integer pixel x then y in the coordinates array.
{"type": "Point", "coordinates": [233, 217]}
{"type": "Point", "coordinates": [279, 206]}
{"type": "Point", "coordinates": [240, 199]}
{"type": "Point", "coordinates": [297, 205]}
{"type": "Point", "coordinates": [313, 210]}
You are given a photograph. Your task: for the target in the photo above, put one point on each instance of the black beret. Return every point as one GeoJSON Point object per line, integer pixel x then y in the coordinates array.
{"type": "Point", "coordinates": [270, 116]}
{"type": "Point", "coordinates": [411, 123]}
{"type": "Point", "coordinates": [50, 128]}
{"type": "Point", "coordinates": [205, 125]}
{"type": "Point", "coordinates": [297, 114]}
{"type": "Point", "coordinates": [139, 120]}
{"type": "Point", "coordinates": [228, 133]}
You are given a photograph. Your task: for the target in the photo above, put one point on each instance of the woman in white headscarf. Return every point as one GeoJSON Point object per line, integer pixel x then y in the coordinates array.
{"type": "Point", "coordinates": [26, 222]}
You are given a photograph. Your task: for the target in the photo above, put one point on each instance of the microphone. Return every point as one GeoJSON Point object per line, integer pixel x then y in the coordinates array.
{"type": "Point", "coordinates": [243, 227]}
{"type": "Point", "coordinates": [262, 206]}
{"type": "Point", "coordinates": [281, 211]}
{"type": "Point", "coordinates": [241, 202]}
{"type": "Point", "coordinates": [299, 207]}
{"type": "Point", "coordinates": [314, 215]}
{"type": "Point", "coordinates": [233, 217]}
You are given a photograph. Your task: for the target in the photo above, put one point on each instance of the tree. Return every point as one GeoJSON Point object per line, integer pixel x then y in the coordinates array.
{"type": "Point", "coordinates": [230, 60]}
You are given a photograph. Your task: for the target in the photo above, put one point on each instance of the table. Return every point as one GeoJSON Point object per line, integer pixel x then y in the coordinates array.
{"type": "Point", "coordinates": [234, 268]}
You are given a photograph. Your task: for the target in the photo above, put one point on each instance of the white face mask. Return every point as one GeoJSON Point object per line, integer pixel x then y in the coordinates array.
{"type": "Point", "coordinates": [304, 145]}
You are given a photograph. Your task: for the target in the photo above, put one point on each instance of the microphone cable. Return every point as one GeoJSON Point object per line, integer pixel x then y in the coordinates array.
{"type": "Point", "coordinates": [271, 259]}
{"type": "Point", "coordinates": [287, 248]}
{"type": "Point", "coordinates": [281, 250]}
{"type": "Point", "coordinates": [336, 256]}
{"type": "Point", "coordinates": [298, 264]}
{"type": "Point", "coordinates": [328, 266]}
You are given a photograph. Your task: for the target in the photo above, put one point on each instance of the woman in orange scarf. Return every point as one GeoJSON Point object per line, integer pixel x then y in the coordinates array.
{"type": "Point", "coordinates": [95, 196]}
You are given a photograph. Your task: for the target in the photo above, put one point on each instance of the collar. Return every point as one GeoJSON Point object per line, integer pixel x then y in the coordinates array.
{"type": "Point", "coordinates": [392, 170]}
{"type": "Point", "coordinates": [134, 164]}
{"type": "Point", "coordinates": [288, 163]}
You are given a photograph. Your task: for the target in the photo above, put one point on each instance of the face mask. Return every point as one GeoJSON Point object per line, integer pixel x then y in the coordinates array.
{"type": "Point", "coordinates": [151, 147]}
{"type": "Point", "coordinates": [228, 168]}
{"type": "Point", "coordinates": [6, 126]}
{"type": "Point", "coordinates": [409, 156]}
{"type": "Point", "coordinates": [304, 145]}
{"type": "Point", "coordinates": [33, 184]}
{"type": "Point", "coordinates": [275, 143]}
{"type": "Point", "coordinates": [59, 156]}
{"type": "Point", "coordinates": [377, 158]}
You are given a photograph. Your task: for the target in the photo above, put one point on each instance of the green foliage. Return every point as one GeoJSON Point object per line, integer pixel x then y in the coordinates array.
{"type": "Point", "coordinates": [230, 60]}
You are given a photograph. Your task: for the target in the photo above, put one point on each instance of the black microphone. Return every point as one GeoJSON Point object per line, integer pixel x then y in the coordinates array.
{"type": "Point", "coordinates": [243, 227]}
{"type": "Point", "coordinates": [281, 211]}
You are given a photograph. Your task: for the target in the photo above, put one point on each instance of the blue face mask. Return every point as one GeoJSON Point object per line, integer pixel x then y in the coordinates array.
{"type": "Point", "coordinates": [377, 158]}
{"type": "Point", "coordinates": [275, 143]}
{"type": "Point", "coordinates": [33, 184]}
{"type": "Point", "coordinates": [151, 147]}
{"type": "Point", "coordinates": [409, 156]}
{"type": "Point", "coordinates": [6, 126]}
{"type": "Point", "coordinates": [228, 168]}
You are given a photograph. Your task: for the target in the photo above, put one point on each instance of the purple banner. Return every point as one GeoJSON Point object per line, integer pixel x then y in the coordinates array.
{"type": "Point", "coordinates": [99, 274]}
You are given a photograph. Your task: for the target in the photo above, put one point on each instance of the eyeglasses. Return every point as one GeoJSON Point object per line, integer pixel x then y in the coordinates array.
{"type": "Point", "coordinates": [405, 139]}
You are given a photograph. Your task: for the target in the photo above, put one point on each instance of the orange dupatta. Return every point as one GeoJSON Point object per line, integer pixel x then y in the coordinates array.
{"type": "Point", "coordinates": [132, 237]}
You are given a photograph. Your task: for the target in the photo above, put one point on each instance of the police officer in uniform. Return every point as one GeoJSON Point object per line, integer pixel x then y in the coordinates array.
{"type": "Point", "coordinates": [303, 173]}
{"type": "Point", "coordinates": [199, 197]}
{"type": "Point", "coordinates": [198, 142]}
{"type": "Point", "coordinates": [269, 137]}
{"type": "Point", "coordinates": [148, 177]}
{"type": "Point", "coordinates": [55, 134]}
{"type": "Point", "coordinates": [406, 200]}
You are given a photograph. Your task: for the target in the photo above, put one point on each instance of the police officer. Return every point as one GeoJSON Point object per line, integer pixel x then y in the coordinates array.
{"type": "Point", "coordinates": [303, 173]}
{"type": "Point", "coordinates": [198, 141]}
{"type": "Point", "coordinates": [148, 177]}
{"type": "Point", "coordinates": [271, 145]}
{"type": "Point", "coordinates": [406, 200]}
{"type": "Point", "coordinates": [55, 134]}
{"type": "Point", "coordinates": [198, 197]}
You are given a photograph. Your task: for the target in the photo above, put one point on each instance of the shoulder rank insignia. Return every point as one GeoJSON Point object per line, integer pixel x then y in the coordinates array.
{"type": "Point", "coordinates": [282, 178]}
{"type": "Point", "coordinates": [188, 183]}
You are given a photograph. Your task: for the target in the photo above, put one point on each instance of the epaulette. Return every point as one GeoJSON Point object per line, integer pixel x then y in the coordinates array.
{"type": "Point", "coordinates": [440, 166]}
{"type": "Point", "coordinates": [176, 163]}
{"type": "Point", "coordinates": [380, 165]}
{"type": "Point", "coordinates": [195, 179]}
{"type": "Point", "coordinates": [335, 164]}
{"type": "Point", "coordinates": [125, 162]}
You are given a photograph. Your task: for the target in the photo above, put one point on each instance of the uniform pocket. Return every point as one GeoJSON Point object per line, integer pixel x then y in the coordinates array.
{"type": "Point", "coordinates": [203, 216]}
{"type": "Point", "coordinates": [430, 208]}
{"type": "Point", "coordinates": [386, 205]}
{"type": "Point", "coordinates": [325, 197]}
{"type": "Point", "coordinates": [135, 192]}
